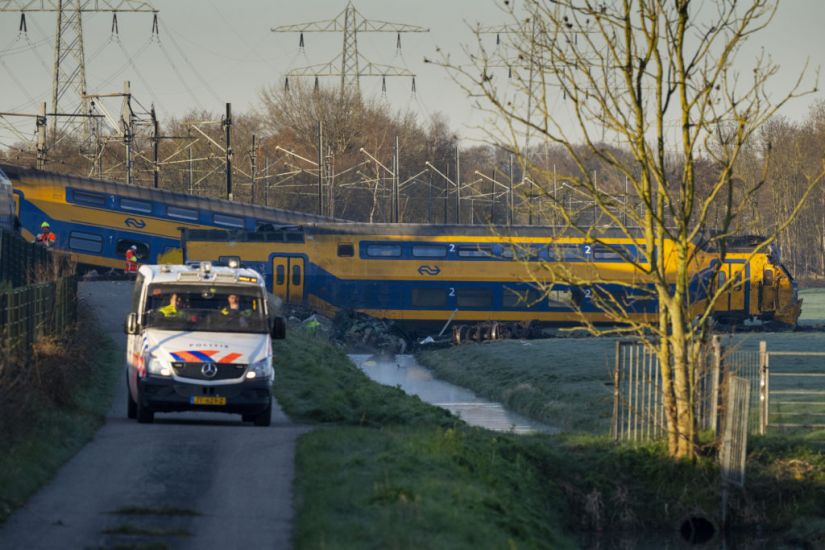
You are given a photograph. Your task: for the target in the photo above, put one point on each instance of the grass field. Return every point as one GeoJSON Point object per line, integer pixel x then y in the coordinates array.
{"type": "Point", "coordinates": [384, 470]}
{"type": "Point", "coordinates": [813, 306]}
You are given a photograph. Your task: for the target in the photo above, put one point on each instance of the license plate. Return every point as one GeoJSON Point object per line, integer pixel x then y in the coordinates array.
{"type": "Point", "coordinates": [208, 400]}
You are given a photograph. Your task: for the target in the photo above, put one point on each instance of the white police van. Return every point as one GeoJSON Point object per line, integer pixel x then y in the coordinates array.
{"type": "Point", "coordinates": [200, 338]}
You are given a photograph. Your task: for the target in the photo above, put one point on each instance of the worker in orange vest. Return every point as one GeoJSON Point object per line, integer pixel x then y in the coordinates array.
{"type": "Point", "coordinates": [46, 236]}
{"type": "Point", "coordinates": [131, 260]}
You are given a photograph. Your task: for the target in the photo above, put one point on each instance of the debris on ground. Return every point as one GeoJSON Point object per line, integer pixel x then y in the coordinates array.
{"type": "Point", "coordinates": [361, 332]}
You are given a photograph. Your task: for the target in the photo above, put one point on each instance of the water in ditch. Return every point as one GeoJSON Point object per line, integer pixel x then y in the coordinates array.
{"type": "Point", "coordinates": [404, 372]}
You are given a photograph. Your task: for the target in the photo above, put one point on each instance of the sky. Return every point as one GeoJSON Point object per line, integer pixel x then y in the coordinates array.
{"type": "Point", "coordinates": [209, 52]}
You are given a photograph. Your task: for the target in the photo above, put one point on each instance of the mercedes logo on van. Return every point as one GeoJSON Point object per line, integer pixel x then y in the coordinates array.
{"type": "Point", "coordinates": [209, 370]}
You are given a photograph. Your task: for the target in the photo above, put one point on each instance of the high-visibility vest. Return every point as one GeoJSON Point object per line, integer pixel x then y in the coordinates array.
{"type": "Point", "coordinates": [170, 310]}
{"type": "Point", "coordinates": [131, 261]}
{"type": "Point", "coordinates": [47, 238]}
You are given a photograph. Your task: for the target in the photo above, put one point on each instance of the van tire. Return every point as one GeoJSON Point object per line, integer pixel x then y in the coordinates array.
{"type": "Point", "coordinates": [144, 414]}
{"type": "Point", "coordinates": [264, 418]}
{"type": "Point", "coordinates": [131, 406]}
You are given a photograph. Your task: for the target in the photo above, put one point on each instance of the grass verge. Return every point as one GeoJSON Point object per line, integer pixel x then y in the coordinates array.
{"type": "Point", "coordinates": [387, 470]}
{"type": "Point", "coordinates": [53, 407]}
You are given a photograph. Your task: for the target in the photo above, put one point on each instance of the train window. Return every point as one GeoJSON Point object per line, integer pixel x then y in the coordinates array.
{"type": "Point", "coordinates": [475, 251]}
{"type": "Point", "coordinates": [280, 275]}
{"type": "Point", "coordinates": [429, 297]}
{"type": "Point", "coordinates": [228, 221]}
{"type": "Point", "coordinates": [182, 213]}
{"type": "Point", "coordinates": [737, 281]}
{"type": "Point", "coordinates": [568, 252]}
{"type": "Point", "coordinates": [429, 251]}
{"type": "Point", "coordinates": [524, 298]}
{"type": "Point", "coordinates": [474, 297]}
{"type": "Point", "coordinates": [560, 298]}
{"type": "Point", "coordinates": [87, 242]}
{"type": "Point", "coordinates": [603, 253]}
{"type": "Point", "coordinates": [767, 277]}
{"type": "Point", "coordinates": [519, 252]}
{"type": "Point", "coordinates": [384, 250]}
{"type": "Point", "coordinates": [91, 199]}
{"type": "Point", "coordinates": [346, 250]}
{"type": "Point", "coordinates": [296, 275]}
{"type": "Point", "coordinates": [125, 244]}
{"type": "Point", "coordinates": [136, 206]}
{"type": "Point", "coordinates": [264, 227]}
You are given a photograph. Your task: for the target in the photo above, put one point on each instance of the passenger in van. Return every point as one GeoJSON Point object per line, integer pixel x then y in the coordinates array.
{"type": "Point", "coordinates": [173, 308]}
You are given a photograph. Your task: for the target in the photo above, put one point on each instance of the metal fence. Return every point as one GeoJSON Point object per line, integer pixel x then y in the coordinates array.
{"type": "Point", "coordinates": [783, 390]}
{"type": "Point", "coordinates": [791, 390]}
{"type": "Point", "coordinates": [638, 405]}
{"type": "Point", "coordinates": [31, 312]}
{"type": "Point", "coordinates": [19, 259]}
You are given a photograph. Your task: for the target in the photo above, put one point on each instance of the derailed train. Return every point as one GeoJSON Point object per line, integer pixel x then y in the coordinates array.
{"type": "Point", "coordinates": [419, 275]}
{"type": "Point", "coordinates": [97, 221]}
{"type": "Point", "coordinates": [423, 276]}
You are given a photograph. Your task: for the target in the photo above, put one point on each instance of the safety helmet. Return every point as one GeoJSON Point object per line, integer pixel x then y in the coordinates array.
{"type": "Point", "coordinates": [44, 225]}
{"type": "Point", "coordinates": [134, 247]}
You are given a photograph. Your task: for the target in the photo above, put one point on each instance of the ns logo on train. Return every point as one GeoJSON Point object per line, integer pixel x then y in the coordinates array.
{"type": "Point", "coordinates": [135, 223]}
{"type": "Point", "coordinates": [429, 270]}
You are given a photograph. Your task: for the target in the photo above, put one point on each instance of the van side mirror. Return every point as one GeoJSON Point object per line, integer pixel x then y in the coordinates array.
{"type": "Point", "coordinates": [131, 325]}
{"type": "Point", "coordinates": [278, 328]}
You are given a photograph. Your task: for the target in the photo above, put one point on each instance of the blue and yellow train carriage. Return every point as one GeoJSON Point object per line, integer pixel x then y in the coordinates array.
{"type": "Point", "coordinates": [97, 221]}
{"type": "Point", "coordinates": [423, 275]}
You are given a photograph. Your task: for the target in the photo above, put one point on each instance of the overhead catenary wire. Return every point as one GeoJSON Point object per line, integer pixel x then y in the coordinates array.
{"type": "Point", "coordinates": [143, 80]}
{"type": "Point", "coordinates": [108, 81]}
{"type": "Point", "coordinates": [206, 85]}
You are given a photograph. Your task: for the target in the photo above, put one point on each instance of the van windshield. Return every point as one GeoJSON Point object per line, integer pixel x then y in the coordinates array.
{"type": "Point", "coordinates": [205, 308]}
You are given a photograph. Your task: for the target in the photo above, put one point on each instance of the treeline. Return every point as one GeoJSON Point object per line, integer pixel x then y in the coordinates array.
{"type": "Point", "coordinates": [281, 170]}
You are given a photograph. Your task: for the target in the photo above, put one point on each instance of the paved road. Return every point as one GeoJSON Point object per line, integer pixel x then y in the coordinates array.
{"type": "Point", "coordinates": [207, 480]}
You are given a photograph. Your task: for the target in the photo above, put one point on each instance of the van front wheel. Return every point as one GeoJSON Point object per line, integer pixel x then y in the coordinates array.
{"type": "Point", "coordinates": [131, 406]}
{"type": "Point", "coordinates": [264, 418]}
{"type": "Point", "coordinates": [144, 414]}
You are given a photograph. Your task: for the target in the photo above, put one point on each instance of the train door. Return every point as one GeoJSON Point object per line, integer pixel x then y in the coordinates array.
{"type": "Point", "coordinates": [736, 299]}
{"type": "Point", "coordinates": [288, 278]}
{"type": "Point", "coordinates": [768, 293]}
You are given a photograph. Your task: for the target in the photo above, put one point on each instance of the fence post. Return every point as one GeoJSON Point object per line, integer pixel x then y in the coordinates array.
{"type": "Point", "coordinates": [715, 369]}
{"type": "Point", "coordinates": [763, 387]}
{"type": "Point", "coordinates": [614, 428]}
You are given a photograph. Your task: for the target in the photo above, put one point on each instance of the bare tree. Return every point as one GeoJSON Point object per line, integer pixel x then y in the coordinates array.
{"type": "Point", "coordinates": [658, 78]}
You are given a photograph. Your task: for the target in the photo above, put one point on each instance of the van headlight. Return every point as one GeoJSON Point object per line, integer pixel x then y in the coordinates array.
{"type": "Point", "coordinates": [260, 369]}
{"type": "Point", "coordinates": [157, 367]}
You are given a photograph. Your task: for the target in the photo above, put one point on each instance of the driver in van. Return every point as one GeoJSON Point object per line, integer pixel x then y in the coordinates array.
{"type": "Point", "coordinates": [233, 307]}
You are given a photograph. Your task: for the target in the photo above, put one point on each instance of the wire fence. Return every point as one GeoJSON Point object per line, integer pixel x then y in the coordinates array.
{"type": "Point", "coordinates": [31, 312]}
{"type": "Point", "coordinates": [19, 260]}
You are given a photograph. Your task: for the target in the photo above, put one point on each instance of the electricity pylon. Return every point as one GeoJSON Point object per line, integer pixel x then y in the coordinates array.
{"type": "Point", "coordinates": [350, 65]}
{"type": "Point", "coordinates": [69, 70]}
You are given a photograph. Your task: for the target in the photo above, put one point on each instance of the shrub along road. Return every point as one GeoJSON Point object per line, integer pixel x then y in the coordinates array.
{"type": "Point", "coordinates": [188, 481]}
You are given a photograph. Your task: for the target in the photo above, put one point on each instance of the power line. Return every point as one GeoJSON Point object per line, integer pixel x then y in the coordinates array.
{"type": "Point", "coordinates": [350, 65]}
{"type": "Point", "coordinates": [69, 70]}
